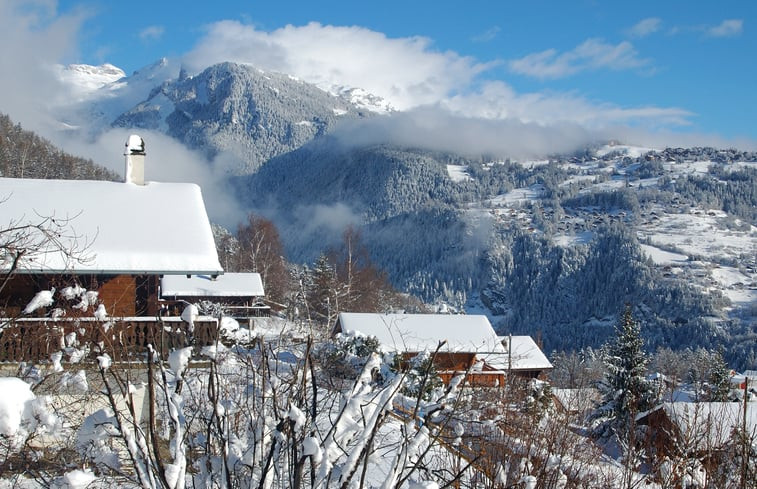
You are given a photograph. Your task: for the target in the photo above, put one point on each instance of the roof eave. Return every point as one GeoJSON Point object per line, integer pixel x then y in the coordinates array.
{"type": "Point", "coordinates": [68, 271]}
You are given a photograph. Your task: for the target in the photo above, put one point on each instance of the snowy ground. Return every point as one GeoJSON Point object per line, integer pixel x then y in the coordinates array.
{"type": "Point", "coordinates": [518, 196]}
{"type": "Point", "coordinates": [458, 173]}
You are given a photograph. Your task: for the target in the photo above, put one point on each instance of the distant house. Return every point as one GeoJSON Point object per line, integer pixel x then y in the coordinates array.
{"type": "Point", "coordinates": [703, 429]}
{"type": "Point", "coordinates": [100, 245]}
{"type": "Point", "coordinates": [240, 294]}
{"type": "Point", "coordinates": [740, 381]}
{"type": "Point", "coordinates": [465, 343]}
{"type": "Point", "coordinates": [522, 356]}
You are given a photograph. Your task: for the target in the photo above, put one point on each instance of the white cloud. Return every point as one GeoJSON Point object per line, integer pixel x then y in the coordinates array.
{"type": "Point", "coordinates": [727, 28]}
{"type": "Point", "coordinates": [151, 33]}
{"type": "Point", "coordinates": [436, 128]}
{"type": "Point", "coordinates": [34, 38]}
{"type": "Point", "coordinates": [645, 27]}
{"type": "Point", "coordinates": [409, 73]}
{"type": "Point", "coordinates": [406, 71]}
{"type": "Point", "coordinates": [488, 35]}
{"type": "Point", "coordinates": [497, 100]}
{"type": "Point", "coordinates": [592, 54]}
{"type": "Point", "coordinates": [167, 161]}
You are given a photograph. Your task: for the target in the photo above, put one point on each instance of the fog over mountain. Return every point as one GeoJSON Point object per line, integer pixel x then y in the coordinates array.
{"type": "Point", "coordinates": [545, 227]}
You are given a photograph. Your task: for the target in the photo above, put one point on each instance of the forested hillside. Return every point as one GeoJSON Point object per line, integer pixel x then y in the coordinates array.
{"type": "Point", "coordinates": [553, 248]}
{"type": "Point", "coordinates": [23, 154]}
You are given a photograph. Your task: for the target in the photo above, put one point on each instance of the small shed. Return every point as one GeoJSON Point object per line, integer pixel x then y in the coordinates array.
{"type": "Point", "coordinates": [576, 402]}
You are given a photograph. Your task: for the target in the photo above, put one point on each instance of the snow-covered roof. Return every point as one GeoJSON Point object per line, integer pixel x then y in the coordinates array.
{"type": "Point", "coordinates": [577, 400]}
{"type": "Point", "coordinates": [112, 227]}
{"type": "Point", "coordinates": [420, 332]}
{"type": "Point", "coordinates": [226, 285]}
{"type": "Point", "coordinates": [525, 355]}
{"type": "Point", "coordinates": [710, 424]}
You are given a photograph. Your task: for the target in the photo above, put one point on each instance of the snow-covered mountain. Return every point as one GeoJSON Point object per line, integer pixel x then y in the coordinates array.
{"type": "Point", "coordinates": [87, 79]}
{"type": "Point", "coordinates": [238, 109]}
{"type": "Point", "coordinates": [555, 246]}
{"type": "Point", "coordinates": [103, 93]}
{"type": "Point", "coordinates": [227, 108]}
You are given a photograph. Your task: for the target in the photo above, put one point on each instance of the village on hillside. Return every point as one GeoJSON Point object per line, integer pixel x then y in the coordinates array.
{"type": "Point", "coordinates": [145, 349]}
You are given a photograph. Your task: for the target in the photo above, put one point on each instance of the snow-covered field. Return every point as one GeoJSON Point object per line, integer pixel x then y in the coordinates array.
{"type": "Point", "coordinates": [701, 233]}
{"type": "Point", "coordinates": [458, 173]}
{"type": "Point", "coordinates": [662, 257]}
{"type": "Point", "coordinates": [518, 196]}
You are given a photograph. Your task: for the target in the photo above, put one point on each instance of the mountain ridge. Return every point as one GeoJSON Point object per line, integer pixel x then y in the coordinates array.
{"type": "Point", "coordinates": [525, 241]}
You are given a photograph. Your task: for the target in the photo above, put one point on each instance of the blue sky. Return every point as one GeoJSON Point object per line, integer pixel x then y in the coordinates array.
{"type": "Point", "coordinates": [681, 67]}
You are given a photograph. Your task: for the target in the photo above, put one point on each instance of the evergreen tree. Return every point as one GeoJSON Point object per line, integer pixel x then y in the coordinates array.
{"type": "Point", "coordinates": [627, 391]}
{"type": "Point", "coordinates": [324, 291]}
{"type": "Point", "coordinates": [719, 379]}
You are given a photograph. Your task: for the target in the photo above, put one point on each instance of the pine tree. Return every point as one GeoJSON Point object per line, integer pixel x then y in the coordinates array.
{"type": "Point", "coordinates": [627, 391]}
{"type": "Point", "coordinates": [324, 294]}
{"type": "Point", "coordinates": [719, 379]}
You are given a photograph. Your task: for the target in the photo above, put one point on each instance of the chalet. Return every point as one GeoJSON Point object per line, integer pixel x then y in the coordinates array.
{"type": "Point", "coordinates": [465, 343]}
{"type": "Point", "coordinates": [240, 294]}
{"type": "Point", "coordinates": [705, 430]}
{"type": "Point", "coordinates": [70, 248]}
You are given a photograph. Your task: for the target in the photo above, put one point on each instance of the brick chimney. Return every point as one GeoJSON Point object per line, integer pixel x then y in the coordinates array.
{"type": "Point", "coordinates": [135, 160]}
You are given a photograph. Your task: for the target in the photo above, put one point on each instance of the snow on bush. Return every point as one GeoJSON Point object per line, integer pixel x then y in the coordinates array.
{"type": "Point", "coordinates": [72, 292]}
{"type": "Point", "coordinates": [189, 315]}
{"type": "Point", "coordinates": [22, 413]}
{"type": "Point", "coordinates": [43, 298]}
{"type": "Point", "coordinates": [178, 360]}
{"type": "Point", "coordinates": [15, 405]}
{"type": "Point", "coordinates": [55, 359]}
{"type": "Point", "coordinates": [100, 313]}
{"type": "Point", "coordinates": [104, 361]}
{"type": "Point", "coordinates": [76, 479]}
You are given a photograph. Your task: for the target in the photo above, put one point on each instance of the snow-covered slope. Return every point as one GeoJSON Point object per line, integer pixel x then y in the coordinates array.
{"type": "Point", "coordinates": [88, 79]}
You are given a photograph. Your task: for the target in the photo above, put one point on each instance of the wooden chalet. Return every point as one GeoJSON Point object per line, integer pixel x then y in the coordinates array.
{"type": "Point", "coordinates": [93, 252]}
{"type": "Point", "coordinates": [702, 430]}
{"type": "Point", "coordinates": [241, 295]}
{"type": "Point", "coordinates": [468, 344]}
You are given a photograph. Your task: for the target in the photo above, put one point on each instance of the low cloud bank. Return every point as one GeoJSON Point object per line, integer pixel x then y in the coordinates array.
{"type": "Point", "coordinates": [167, 161]}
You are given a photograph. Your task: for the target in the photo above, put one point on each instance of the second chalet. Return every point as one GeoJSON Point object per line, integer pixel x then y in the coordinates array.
{"type": "Point", "coordinates": [464, 344]}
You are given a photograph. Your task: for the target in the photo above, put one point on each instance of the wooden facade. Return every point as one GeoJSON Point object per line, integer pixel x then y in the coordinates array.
{"type": "Point", "coordinates": [134, 319]}
{"type": "Point", "coordinates": [451, 364]}
{"type": "Point", "coordinates": [122, 295]}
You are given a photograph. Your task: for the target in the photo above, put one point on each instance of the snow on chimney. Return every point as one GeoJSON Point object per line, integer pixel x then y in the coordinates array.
{"type": "Point", "coordinates": [135, 160]}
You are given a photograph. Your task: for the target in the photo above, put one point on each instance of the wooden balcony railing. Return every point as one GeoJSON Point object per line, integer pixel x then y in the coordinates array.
{"type": "Point", "coordinates": [36, 339]}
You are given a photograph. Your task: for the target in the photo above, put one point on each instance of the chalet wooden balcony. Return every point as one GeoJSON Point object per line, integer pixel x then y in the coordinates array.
{"type": "Point", "coordinates": [123, 339]}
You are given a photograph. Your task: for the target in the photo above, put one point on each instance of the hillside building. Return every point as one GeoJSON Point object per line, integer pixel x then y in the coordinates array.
{"type": "Point", "coordinates": [466, 344]}
{"type": "Point", "coordinates": [92, 251]}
